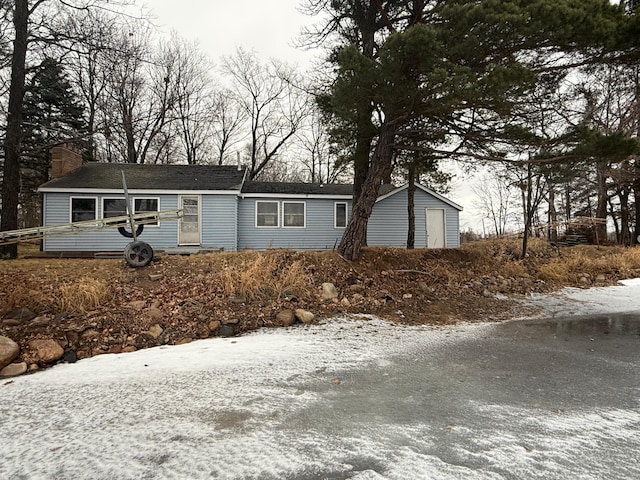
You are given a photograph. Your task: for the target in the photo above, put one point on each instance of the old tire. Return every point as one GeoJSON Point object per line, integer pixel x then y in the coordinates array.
{"type": "Point", "coordinates": [126, 233]}
{"type": "Point", "coordinates": [138, 254]}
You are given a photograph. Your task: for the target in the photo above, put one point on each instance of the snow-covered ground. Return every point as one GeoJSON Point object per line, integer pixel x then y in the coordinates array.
{"type": "Point", "coordinates": [309, 402]}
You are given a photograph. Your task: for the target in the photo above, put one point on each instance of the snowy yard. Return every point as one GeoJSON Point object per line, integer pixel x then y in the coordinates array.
{"type": "Point", "coordinates": [348, 398]}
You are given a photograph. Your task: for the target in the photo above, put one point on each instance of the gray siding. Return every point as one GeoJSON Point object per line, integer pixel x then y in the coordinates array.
{"type": "Point", "coordinates": [388, 224]}
{"type": "Point", "coordinates": [319, 233]}
{"type": "Point", "coordinates": [217, 225]}
{"type": "Point", "coordinates": [218, 222]}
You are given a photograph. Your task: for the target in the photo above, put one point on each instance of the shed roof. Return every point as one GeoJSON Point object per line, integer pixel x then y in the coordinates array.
{"type": "Point", "coordinates": [108, 176]}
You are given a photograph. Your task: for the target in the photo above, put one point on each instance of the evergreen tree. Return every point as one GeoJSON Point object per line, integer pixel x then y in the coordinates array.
{"type": "Point", "coordinates": [52, 114]}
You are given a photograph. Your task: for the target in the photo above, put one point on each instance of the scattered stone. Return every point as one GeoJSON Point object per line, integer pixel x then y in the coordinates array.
{"type": "Point", "coordinates": [286, 317]}
{"type": "Point", "coordinates": [357, 298]}
{"type": "Point", "coordinates": [137, 304]}
{"type": "Point", "coordinates": [13, 370]}
{"type": "Point", "coordinates": [584, 280]}
{"type": "Point", "coordinates": [601, 278]}
{"type": "Point", "coordinates": [237, 300]}
{"type": "Point", "coordinates": [345, 302]}
{"type": "Point", "coordinates": [8, 351]}
{"type": "Point", "coordinates": [356, 288]}
{"type": "Point", "coordinates": [22, 314]}
{"type": "Point", "coordinates": [47, 350]}
{"type": "Point", "coordinates": [407, 296]}
{"type": "Point", "coordinates": [230, 321]}
{"type": "Point", "coordinates": [336, 381]}
{"type": "Point", "coordinates": [11, 322]}
{"type": "Point", "coordinates": [226, 331]}
{"type": "Point", "coordinates": [487, 293]}
{"type": "Point", "coordinates": [70, 357]}
{"type": "Point", "coordinates": [423, 286]}
{"type": "Point", "coordinates": [33, 367]}
{"type": "Point", "coordinates": [329, 291]}
{"type": "Point", "coordinates": [155, 313]}
{"type": "Point", "coordinates": [129, 349]}
{"type": "Point", "coordinates": [214, 325]}
{"type": "Point", "coordinates": [155, 277]}
{"type": "Point", "coordinates": [304, 315]}
{"type": "Point", "coordinates": [42, 320]}
{"type": "Point", "coordinates": [184, 341]}
{"type": "Point", "coordinates": [155, 331]}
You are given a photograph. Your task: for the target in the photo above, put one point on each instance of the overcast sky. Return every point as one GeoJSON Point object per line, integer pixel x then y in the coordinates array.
{"type": "Point", "coordinates": [269, 27]}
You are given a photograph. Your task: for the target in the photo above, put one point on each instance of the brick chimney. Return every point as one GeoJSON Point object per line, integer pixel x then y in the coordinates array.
{"type": "Point", "coordinates": [64, 160]}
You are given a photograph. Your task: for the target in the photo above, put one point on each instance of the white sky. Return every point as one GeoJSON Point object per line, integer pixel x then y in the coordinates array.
{"type": "Point", "coordinates": [268, 27]}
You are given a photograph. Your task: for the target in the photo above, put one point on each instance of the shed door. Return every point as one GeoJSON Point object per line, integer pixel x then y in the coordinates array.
{"type": "Point", "coordinates": [189, 225]}
{"type": "Point", "coordinates": [435, 228]}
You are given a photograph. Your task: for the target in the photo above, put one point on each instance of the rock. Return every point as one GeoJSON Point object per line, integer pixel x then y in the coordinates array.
{"type": "Point", "coordinates": [407, 296]}
{"type": "Point", "coordinates": [22, 314]}
{"type": "Point", "coordinates": [329, 291]}
{"type": "Point", "coordinates": [487, 293]}
{"type": "Point", "coordinates": [357, 298]}
{"type": "Point", "coordinates": [184, 341]}
{"type": "Point", "coordinates": [225, 331]}
{"type": "Point", "coordinates": [155, 331]}
{"type": "Point", "coordinates": [345, 302]}
{"type": "Point", "coordinates": [237, 300]}
{"type": "Point", "coordinates": [70, 357]}
{"type": "Point", "coordinates": [8, 351]}
{"type": "Point", "coordinates": [42, 320]}
{"type": "Point", "coordinates": [214, 325]}
{"type": "Point", "coordinates": [11, 322]}
{"type": "Point", "coordinates": [129, 349]}
{"type": "Point", "coordinates": [304, 315]}
{"type": "Point", "coordinates": [155, 313]}
{"type": "Point", "coordinates": [423, 286]}
{"type": "Point", "coordinates": [356, 288]}
{"type": "Point", "coordinates": [286, 317]}
{"type": "Point", "coordinates": [47, 350]}
{"type": "Point", "coordinates": [155, 277]}
{"type": "Point", "coordinates": [230, 321]}
{"type": "Point", "coordinates": [601, 278]}
{"type": "Point", "coordinates": [13, 370]}
{"type": "Point", "coordinates": [584, 280]}
{"type": "Point", "coordinates": [137, 304]}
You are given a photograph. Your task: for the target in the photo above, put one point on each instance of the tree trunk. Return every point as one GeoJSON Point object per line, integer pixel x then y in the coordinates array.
{"type": "Point", "coordinates": [11, 172]}
{"type": "Point", "coordinates": [411, 190]}
{"type": "Point", "coordinates": [356, 231]}
{"type": "Point", "coordinates": [600, 229]}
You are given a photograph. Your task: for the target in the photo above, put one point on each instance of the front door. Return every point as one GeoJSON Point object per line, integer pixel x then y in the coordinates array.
{"type": "Point", "coordinates": [435, 228]}
{"type": "Point", "coordinates": [189, 225]}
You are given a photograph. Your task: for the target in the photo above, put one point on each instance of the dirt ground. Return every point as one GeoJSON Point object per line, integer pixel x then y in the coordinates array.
{"type": "Point", "coordinates": [97, 306]}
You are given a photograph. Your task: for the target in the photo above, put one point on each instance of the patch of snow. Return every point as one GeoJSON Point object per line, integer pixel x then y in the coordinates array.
{"type": "Point", "coordinates": [235, 408]}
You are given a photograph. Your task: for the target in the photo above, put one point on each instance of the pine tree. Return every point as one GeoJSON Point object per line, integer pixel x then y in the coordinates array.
{"type": "Point", "coordinates": [52, 114]}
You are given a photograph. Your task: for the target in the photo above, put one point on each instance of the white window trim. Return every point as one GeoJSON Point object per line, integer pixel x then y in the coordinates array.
{"type": "Point", "coordinates": [277, 214]}
{"type": "Point", "coordinates": [95, 217]}
{"type": "Point", "coordinates": [335, 214]}
{"type": "Point", "coordinates": [157, 225]}
{"type": "Point", "coordinates": [304, 215]}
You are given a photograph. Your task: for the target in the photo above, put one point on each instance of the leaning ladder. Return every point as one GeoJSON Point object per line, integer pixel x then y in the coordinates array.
{"type": "Point", "coordinates": [35, 233]}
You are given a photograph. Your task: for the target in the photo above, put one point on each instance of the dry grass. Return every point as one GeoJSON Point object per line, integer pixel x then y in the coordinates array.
{"type": "Point", "coordinates": [265, 275]}
{"type": "Point", "coordinates": [84, 295]}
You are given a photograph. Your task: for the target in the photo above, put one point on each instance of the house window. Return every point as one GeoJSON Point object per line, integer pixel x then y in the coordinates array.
{"type": "Point", "coordinates": [293, 214]}
{"type": "Point", "coordinates": [83, 208]}
{"type": "Point", "coordinates": [114, 207]}
{"type": "Point", "coordinates": [340, 215]}
{"type": "Point", "coordinates": [266, 214]}
{"type": "Point", "coordinates": [141, 205]}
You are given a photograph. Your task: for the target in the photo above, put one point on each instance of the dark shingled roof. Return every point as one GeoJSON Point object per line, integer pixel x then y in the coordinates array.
{"type": "Point", "coordinates": [305, 188]}
{"type": "Point", "coordinates": [153, 177]}
{"type": "Point", "coordinates": [297, 188]}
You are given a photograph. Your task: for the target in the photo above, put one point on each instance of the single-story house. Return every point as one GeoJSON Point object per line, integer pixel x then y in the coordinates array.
{"type": "Point", "coordinates": [222, 209]}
